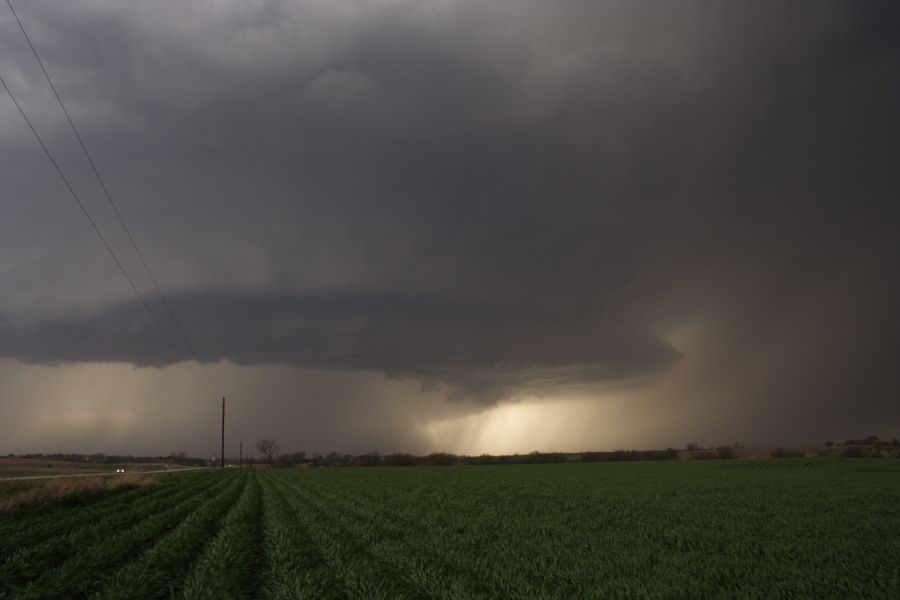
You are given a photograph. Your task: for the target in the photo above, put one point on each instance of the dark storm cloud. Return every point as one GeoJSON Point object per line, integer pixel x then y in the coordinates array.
{"type": "Point", "coordinates": [488, 196]}
{"type": "Point", "coordinates": [477, 350]}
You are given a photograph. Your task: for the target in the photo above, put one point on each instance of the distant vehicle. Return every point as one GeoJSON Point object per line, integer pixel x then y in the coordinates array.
{"type": "Point", "coordinates": [120, 470]}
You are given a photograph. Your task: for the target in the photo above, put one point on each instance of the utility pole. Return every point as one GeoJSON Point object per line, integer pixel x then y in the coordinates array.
{"type": "Point", "coordinates": [241, 463]}
{"type": "Point", "coordinates": [223, 433]}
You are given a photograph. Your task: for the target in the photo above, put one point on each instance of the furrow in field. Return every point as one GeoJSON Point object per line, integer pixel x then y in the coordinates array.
{"type": "Point", "coordinates": [160, 570]}
{"type": "Point", "coordinates": [78, 576]}
{"type": "Point", "coordinates": [295, 565]}
{"type": "Point", "coordinates": [35, 558]}
{"type": "Point", "coordinates": [226, 569]}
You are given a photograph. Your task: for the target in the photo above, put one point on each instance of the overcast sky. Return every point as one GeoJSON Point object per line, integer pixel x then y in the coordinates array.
{"type": "Point", "coordinates": [406, 225]}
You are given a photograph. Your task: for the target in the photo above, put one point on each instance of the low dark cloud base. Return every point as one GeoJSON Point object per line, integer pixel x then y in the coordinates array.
{"type": "Point", "coordinates": [478, 351]}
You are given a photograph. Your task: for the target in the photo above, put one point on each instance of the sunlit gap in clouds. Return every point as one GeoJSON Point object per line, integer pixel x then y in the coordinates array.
{"type": "Point", "coordinates": [634, 414]}
{"type": "Point", "coordinates": [547, 424]}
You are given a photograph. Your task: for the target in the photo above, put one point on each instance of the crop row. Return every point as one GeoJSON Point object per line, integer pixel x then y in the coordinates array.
{"type": "Point", "coordinates": [228, 565]}
{"type": "Point", "coordinates": [159, 570]}
{"type": "Point", "coordinates": [587, 531]}
{"type": "Point", "coordinates": [706, 532]}
{"type": "Point", "coordinates": [34, 525]}
{"type": "Point", "coordinates": [45, 552]}
{"type": "Point", "coordinates": [38, 572]}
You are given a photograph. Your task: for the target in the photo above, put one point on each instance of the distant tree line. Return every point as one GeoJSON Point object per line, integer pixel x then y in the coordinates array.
{"type": "Point", "coordinates": [868, 447]}
{"type": "Point", "coordinates": [719, 452]}
{"type": "Point", "coordinates": [100, 458]}
{"type": "Point", "coordinates": [782, 452]}
{"type": "Point", "coordinates": [872, 440]}
{"type": "Point", "coordinates": [445, 459]}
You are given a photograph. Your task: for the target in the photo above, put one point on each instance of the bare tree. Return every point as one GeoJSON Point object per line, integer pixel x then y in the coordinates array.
{"type": "Point", "coordinates": [268, 448]}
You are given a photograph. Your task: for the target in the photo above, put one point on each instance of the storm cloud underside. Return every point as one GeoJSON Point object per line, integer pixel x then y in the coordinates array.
{"type": "Point", "coordinates": [691, 205]}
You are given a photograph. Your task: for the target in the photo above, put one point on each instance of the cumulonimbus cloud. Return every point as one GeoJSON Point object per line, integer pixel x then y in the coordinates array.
{"type": "Point", "coordinates": [487, 196]}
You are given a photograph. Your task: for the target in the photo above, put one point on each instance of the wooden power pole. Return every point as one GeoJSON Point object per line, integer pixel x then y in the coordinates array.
{"type": "Point", "coordinates": [222, 458]}
{"type": "Point", "coordinates": [241, 463]}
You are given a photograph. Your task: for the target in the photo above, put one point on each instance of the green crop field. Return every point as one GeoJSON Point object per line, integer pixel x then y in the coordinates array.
{"type": "Point", "coordinates": [677, 529]}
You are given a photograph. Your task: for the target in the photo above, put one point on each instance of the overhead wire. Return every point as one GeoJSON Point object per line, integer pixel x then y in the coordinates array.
{"type": "Point", "coordinates": [96, 171]}
{"type": "Point", "coordinates": [100, 235]}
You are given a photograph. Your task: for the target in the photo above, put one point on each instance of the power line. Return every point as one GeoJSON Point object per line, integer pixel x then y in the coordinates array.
{"type": "Point", "coordinates": [109, 197]}
{"type": "Point", "coordinates": [96, 229]}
